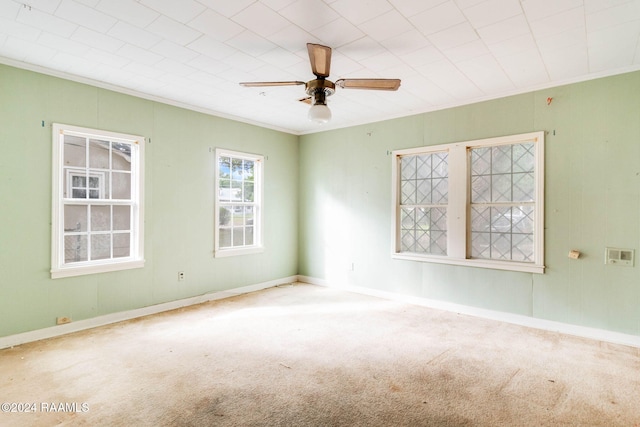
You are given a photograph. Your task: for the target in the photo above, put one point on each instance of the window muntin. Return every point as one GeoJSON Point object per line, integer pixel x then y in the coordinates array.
{"type": "Point", "coordinates": [238, 199]}
{"type": "Point", "coordinates": [97, 197]}
{"type": "Point", "coordinates": [493, 210]}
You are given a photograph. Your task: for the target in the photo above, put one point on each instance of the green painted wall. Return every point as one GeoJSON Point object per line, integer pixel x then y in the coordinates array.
{"type": "Point", "coordinates": [327, 203]}
{"type": "Point", "coordinates": [178, 202]}
{"type": "Point", "coordinates": [592, 201]}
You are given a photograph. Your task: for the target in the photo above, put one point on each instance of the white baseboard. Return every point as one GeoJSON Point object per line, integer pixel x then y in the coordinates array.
{"type": "Point", "coordinates": [80, 325]}
{"type": "Point", "coordinates": [517, 319]}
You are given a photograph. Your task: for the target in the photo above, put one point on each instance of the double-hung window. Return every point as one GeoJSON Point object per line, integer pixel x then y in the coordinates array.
{"type": "Point", "coordinates": [97, 201]}
{"type": "Point", "coordinates": [477, 203]}
{"type": "Point", "coordinates": [238, 210]}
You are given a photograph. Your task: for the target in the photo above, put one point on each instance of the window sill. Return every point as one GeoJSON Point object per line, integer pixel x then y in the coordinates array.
{"type": "Point", "coordinates": [80, 270]}
{"type": "Point", "coordinates": [480, 263]}
{"type": "Point", "coordinates": [221, 253]}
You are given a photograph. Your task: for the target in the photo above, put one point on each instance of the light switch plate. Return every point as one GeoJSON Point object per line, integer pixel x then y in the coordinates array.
{"type": "Point", "coordinates": [618, 256]}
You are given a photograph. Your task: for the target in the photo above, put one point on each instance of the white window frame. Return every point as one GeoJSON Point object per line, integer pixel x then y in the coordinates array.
{"type": "Point", "coordinates": [60, 268]}
{"type": "Point", "coordinates": [458, 207]}
{"type": "Point", "coordinates": [258, 213]}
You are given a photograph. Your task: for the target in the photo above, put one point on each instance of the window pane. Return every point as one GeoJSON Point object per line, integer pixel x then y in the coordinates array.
{"type": "Point", "coordinates": [75, 151]}
{"type": "Point", "coordinates": [98, 154]}
{"type": "Point", "coordinates": [523, 187]}
{"type": "Point", "coordinates": [75, 248]}
{"type": "Point", "coordinates": [238, 236]}
{"type": "Point", "coordinates": [75, 218]}
{"type": "Point", "coordinates": [224, 190]}
{"type": "Point", "coordinates": [100, 246]}
{"type": "Point", "coordinates": [121, 156]}
{"type": "Point", "coordinates": [481, 189]}
{"type": "Point", "coordinates": [236, 169]}
{"type": "Point", "coordinates": [100, 218]}
{"type": "Point", "coordinates": [248, 192]}
{"type": "Point", "coordinates": [523, 157]}
{"type": "Point", "coordinates": [408, 192]}
{"type": "Point", "coordinates": [249, 168]}
{"type": "Point", "coordinates": [121, 245]}
{"type": "Point", "coordinates": [121, 185]}
{"type": "Point", "coordinates": [225, 213]}
{"type": "Point", "coordinates": [248, 215]}
{"type": "Point", "coordinates": [224, 167]}
{"type": "Point", "coordinates": [248, 236]}
{"type": "Point", "coordinates": [121, 217]}
{"type": "Point", "coordinates": [481, 161]}
{"type": "Point", "coordinates": [224, 237]}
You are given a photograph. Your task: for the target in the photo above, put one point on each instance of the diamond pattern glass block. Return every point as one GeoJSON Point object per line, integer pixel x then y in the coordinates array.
{"type": "Point", "coordinates": [408, 168]}
{"type": "Point", "coordinates": [502, 183]}
{"type": "Point", "coordinates": [408, 192]}
{"type": "Point", "coordinates": [501, 159]}
{"type": "Point", "coordinates": [523, 187]}
{"type": "Point", "coordinates": [424, 193]}
{"type": "Point", "coordinates": [523, 157]}
{"type": "Point", "coordinates": [481, 245]}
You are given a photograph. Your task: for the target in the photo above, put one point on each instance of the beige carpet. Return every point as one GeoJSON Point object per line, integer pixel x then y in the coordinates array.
{"type": "Point", "coordinates": [301, 355]}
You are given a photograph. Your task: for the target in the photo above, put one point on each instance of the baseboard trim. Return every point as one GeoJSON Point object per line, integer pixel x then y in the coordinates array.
{"type": "Point", "coordinates": [517, 319]}
{"type": "Point", "coordinates": [80, 325]}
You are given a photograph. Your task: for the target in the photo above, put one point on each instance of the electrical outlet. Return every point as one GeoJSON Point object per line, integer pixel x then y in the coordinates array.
{"type": "Point", "coordinates": [62, 320]}
{"type": "Point", "coordinates": [180, 276]}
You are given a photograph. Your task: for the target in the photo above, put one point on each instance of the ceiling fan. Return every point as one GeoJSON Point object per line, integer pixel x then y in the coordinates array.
{"type": "Point", "coordinates": [320, 88]}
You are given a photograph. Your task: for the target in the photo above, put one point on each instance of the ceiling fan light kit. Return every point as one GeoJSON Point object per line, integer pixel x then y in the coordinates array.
{"type": "Point", "coordinates": [320, 88]}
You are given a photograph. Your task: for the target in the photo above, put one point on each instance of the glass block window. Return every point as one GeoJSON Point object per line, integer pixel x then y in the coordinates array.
{"type": "Point", "coordinates": [503, 201]}
{"type": "Point", "coordinates": [97, 201]}
{"type": "Point", "coordinates": [238, 199]}
{"type": "Point", "coordinates": [478, 203]}
{"type": "Point", "coordinates": [423, 205]}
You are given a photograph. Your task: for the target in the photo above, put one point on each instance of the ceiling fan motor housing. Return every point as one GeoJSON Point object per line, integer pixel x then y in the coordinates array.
{"type": "Point", "coordinates": [319, 89]}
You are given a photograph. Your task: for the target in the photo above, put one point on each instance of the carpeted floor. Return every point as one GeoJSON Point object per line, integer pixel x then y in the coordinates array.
{"type": "Point", "coordinates": [302, 355]}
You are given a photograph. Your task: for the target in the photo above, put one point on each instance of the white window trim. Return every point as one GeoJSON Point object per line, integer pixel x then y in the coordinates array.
{"type": "Point", "coordinates": [136, 258]}
{"type": "Point", "coordinates": [458, 234]}
{"type": "Point", "coordinates": [258, 245]}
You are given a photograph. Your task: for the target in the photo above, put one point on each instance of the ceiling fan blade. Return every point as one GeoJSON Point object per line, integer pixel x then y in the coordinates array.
{"type": "Point", "coordinates": [262, 84]}
{"type": "Point", "coordinates": [320, 57]}
{"type": "Point", "coordinates": [306, 100]}
{"type": "Point", "coordinates": [372, 84]}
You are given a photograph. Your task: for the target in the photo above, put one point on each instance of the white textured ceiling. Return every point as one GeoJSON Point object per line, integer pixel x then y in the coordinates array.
{"type": "Point", "coordinates": [193, 53]}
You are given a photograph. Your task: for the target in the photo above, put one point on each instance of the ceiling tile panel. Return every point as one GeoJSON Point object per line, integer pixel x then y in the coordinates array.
{"type": "Point", "coordinates": [570, 19]}
{"type": "Point", "coordinates": [83, 15]}
{"type": "Point", "coordinates": [251, 43]}
{"type": "Point", "coordinates": [96, 39]}
{"type": "Point", "coordinates": [466, 51]}
{"type": "Point", "coordinates": [172, 30]}
{"type": "Point", "coordinates": [538, 9]}
{"type": "Point", "coordinates": [182, 11]}
{"type": "Point", "coordinates": [102, 57]}
{"type": "Point", "coordinates": [485, 72]}
{"type": "Point", "coordinates": [591, 6]}
{"type": "Point", "coordinates": [385, 26]}
{"type": "Point", "coordinates": [175, 51]}
{"type": "Point", "coordinates": [566, 62]}
{"type": "Point", "coordinates": [513, 46]}
{"type": "Point", "coordinates": [62, 44]}
{"type": "Point", "coordinates": [136, 54]}
{"type": "Point", "coordinates": [525, 68]}
{"type": "Point", "coordinates": [453, 36]}
{"type": "Point", "coordinates": [48, 6]}
{"type": "Point", "coordinates": [447, 76]}
{"type": "Point", "coordinates": [293, 38]}
{"type": "Point", "coordinates": [379, 63]}
{"type": "Point", "coordinates": [423, 56]}
{"type": "Point", "coordinates": [53, 24]}
{"type": "Point", "coordinates": [412, 7]}
{"type": "Point", "coordinates": [261, 19]}
{"type": "Point", "coordinates": [337, 33]}
{"type": "Point", "coordinates": [492, 11]}
{"type": "Point", "coordinates": [508, 29]}
{"type": "Point", "coordinates": [309, 14]}
{"type": "Point", "coordinates": [129, 11]}
{"type": "Point", "coordinates": [227, 8]}
{"type": "Point", "coordinates": [362, 48]}
{"type": "Point", "coordinates": [216, 25]}
{"type": "Point", "coordinates": [9, 9]}
{"type": "Point", "coordinates": [439, 18]}
{"type": "Point", "coordinates": [405, 43]}
{"type": "Point", "coordinates": [613, 16]}
{"type": "Point", "coordinates": [139, 37]}
{"type": "Point", "coordinates": [212, 48]}
{"type": "Point", "coordinates": [358, 12]}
